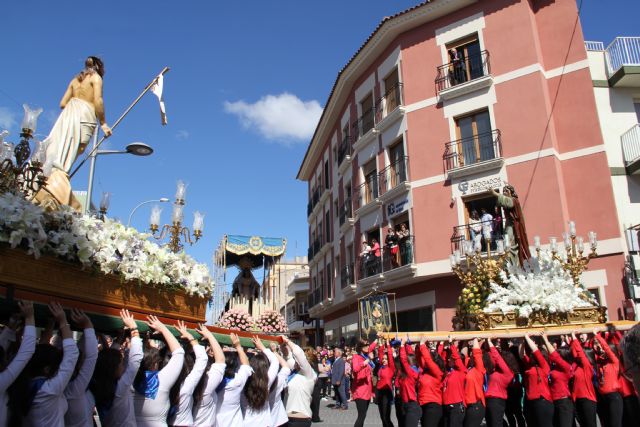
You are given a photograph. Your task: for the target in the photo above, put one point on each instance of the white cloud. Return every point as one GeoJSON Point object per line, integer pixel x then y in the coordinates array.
{"type": "Point", "coordinates": [7, 118]}
{"type": "Point", "coordinates": [284, 118]}
{"type": "Point", "coordinates": [182, 135]}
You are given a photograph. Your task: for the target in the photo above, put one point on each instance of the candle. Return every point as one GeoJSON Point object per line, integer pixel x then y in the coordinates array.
{"type": "Point", "coordinates": [477, 246]}
{"type": "Point", "coordinates": [181, 191]}
{"type": "Point", "coordinates": [178, 211]}
{"type": "Point", "coordinates": [553, 243]}
{"type": "Point", "coordinates": [507, 241]}
{"type": "Point", "coordinates": [468, 247]}
{"type": "Point", "coordinates": [105, 201]}
{"type": "Point", "coordinates": [457, 256]}
{"type": "Point", "coordinates": [487, 233]}
{"type": "Point", "coordinates": [572, 228]}
{"type": "Point", "coordinates": [30, 118]}
{"type": "Point", "coordinates": [154, 220]}
{"type": "Point", "coordinates": [40, 154]}
{"type": "Point", "coordinates": [500, 246]}
{"type": "Point", "coordinates": [593, 240]}
{"type": "Point", "coordinates": [452, 259]}
{"type": "Point", "coordinates": [198, 221]}
{"type": "Point", "coordinates": [536, 242]}
{"type": "Point", "coordinates": [580, 244]}
{"type": "Point", "coordinates": [567, 240]}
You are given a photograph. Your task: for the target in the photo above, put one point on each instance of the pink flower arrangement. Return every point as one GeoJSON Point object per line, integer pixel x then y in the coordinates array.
{"type": "Point", "coordinates": [272, 322]}
{"type": "Point", "coordinates": [236, 319]}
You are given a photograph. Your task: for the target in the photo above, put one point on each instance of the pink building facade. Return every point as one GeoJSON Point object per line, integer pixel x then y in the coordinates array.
{"type": "Point", "coordinates": [442, 103]}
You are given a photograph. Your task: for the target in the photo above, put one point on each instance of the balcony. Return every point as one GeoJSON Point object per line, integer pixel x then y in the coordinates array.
{"type": "Point", "coordinates": [347, 280]}
{"type": "Point", "coordinates": [314, 298]}
{"type": "Point", "coordinates": [402, 257]}
{"type": "Point", "coordinates": [464, 76]}
{"type": "Point", "coordinates": [314, 249]}
{"type": "Point", "coordinates": [345, 216]}
{"type": "Point", "coordinates": [363, 130]}
{"type": "Point", "coordinates": [392, 264]}
{"type": "Point", "coordinates": [344, 153]}
{"type": "Point", "coordinates": [366, 196]}
{"type": "Point", "coordinates": [393, 179]}
{"type": "Point", "coordinates": [477, 153]}
{"type": "Point", "coordinates": [313, 201]}
{"type": "Point", "coordinates": [623, 62]}
{"type": "Point", "coordinates": [631, 149]}
{"type": "Point", "coordinates": [463, 233]}
{"type": "Point", "coordinates": [389, 107]}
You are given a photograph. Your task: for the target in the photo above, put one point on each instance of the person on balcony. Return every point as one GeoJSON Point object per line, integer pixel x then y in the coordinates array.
{"type": "Point", "coordinates": [456, 67]}
{"type": "Point", "coordinates": [391, 242]}
{"type": "Point", "coordinates": [406, 250]}
{"type": "Point", "coordinates": [475, 228]}
{"type": "Point", "coordinates": [487, 225]}
{"type": "Point", "coordinates": [375, 260]}
{"type": "Point", "coordinates": [498, 228]}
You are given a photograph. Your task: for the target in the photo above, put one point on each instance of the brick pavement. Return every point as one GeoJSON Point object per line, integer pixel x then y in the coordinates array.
{"type": "Point", "coordinates": [332, 417]}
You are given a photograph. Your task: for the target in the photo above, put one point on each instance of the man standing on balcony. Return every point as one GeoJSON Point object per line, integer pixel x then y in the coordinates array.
{"type": "Point", "coordinates": [487, 225]}
{"type": "Point", "coordinates": [515, 228]}
{"type": "Point", "coordinates": [338, 380]}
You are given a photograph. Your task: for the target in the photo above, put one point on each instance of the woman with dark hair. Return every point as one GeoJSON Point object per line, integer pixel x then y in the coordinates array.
{"type": "Point", "coordinates": [37, 397]}
{"type": "Point", "coordinates": [384, 385]}
{"type": "Point", "coordinates": [362, 379]}
{"type": "Point", "coordinates": [514, 412]}
{"type": "Point", "coordinates": [561, 374]}
{"type": "Point", "coordinates": [474, 387]}
{"type": "Point", "coordinates": [255, 398]}
{"type": "Point", "coordinates": [453, 387]}
{"type": "Point", "coordinates": [500, 376]}
{"type": "Point", "coordinates": [79, 398]}
{"type": "Point", "coordinates": [299, 385]}
{"type": "Point", "coordinates": [538, 406]}
{"type": "Point", "coordinates": [430, 386]}
{"type": "Point", "coordinates": [607, 374]}
{"type": "Point", "coordinates": [182, 399]}
{"type": "Point", "coordinates": [10, 372]}
{"type": "Point", "coordinates": [584, 393]}
{"type": "Point", "coordinates": [236, 374]}
{"type": "Point", "coordinates": [278, 413]}
{"type": "Point", "coordinates": [204, 395]}
{"type": "Point", "coordinates": [154, 381]}
{"type": "Point", "coordinates": [408, 374]}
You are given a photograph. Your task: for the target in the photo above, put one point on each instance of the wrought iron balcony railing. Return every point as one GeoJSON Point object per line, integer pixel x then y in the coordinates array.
{"type": "Point", "coordinates": [366, 192]}
{"type": "Point", "coordinates": [462, 233]}
{"type": "Point", "coordinates": [472, 150]}
{"type": "Point", "coordinates": [346, 211]}
{"type": "Point", "coordinates": [364, 124]}
{"type": "Point", "coordinates": [394, 174]}
{"type": "Point", "coordinates": [346, 276]}
{"type": "Point", "coordinates": [463, 70]}
{"type": "Point", "coordinates": [388, 102]}
{"type": "Point", "coordinates": [344, 149]}
{"type": "Point", "coordinates": [395, 258]}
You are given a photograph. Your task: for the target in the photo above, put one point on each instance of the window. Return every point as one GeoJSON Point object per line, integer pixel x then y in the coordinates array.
{"type": "Point", "coordinates": [319, 230]}
{"type": "Point", "coordinates": [475, 139]}
{"type": "Point", "coordinates": [466, 60]}
{"type": "Point", "coordinates": [398, 164]}
{"type": "Point", "coordinates": [477, 208]}
{"type": "Point", "coordinates": [326, 174]}
{"type": "Point", "coordinates": [366, 107]}
{"type": "Point", "coordinates": [392, 91]}
{"type": "Point", "coordinates": [329, 273]}
{"type": "Point", "coordinates": [415, 320]}
{"type": "Point", "coordinates": [370, 181]}
{"type": "Point", "coordinates": [327, 226]}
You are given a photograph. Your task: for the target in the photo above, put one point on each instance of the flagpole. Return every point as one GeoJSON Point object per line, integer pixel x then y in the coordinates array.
{"type": "Point", "coordinates": [122, 116]}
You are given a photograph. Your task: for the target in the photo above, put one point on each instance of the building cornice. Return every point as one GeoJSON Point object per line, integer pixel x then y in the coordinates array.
{"type": "Point", "coordinates": [386, 31]}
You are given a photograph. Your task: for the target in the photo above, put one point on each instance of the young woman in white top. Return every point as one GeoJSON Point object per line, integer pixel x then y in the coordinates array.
{"type": "Point", "coordinates": [9, 373]}
{"type": "Point", "coordinates": [255, 398]}
{"type": "Point", "coordinates": [79, 398]}
{"type": "Point", "coordinates": [113, 377]}
{"type": "Point", "coordinates": [278, 413]}
{"type": "Point", "coordinates": [38, 396]}
{"type": "Point", "coordinates": [300, 387]}
{"type": "Point", "coordinates": [153, 382]}
{"type": "Point", "coordinates": [228, 411]}
{"type": "Point", "coordinates": [205, 398]}
{"type": "Point", "coordinates": [183, 401]}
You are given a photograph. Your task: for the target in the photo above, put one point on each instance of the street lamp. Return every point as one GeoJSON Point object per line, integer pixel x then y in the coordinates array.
{"type": "Point", "coordinates": [161, 200]}
{"type": "Point", "coordinates": [135, 148]}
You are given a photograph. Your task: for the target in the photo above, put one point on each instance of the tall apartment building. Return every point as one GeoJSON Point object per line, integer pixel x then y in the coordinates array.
{"type": "Point", "coordinates": [615, 71]}
{"type": "Point", "coordinates": [442, 103]}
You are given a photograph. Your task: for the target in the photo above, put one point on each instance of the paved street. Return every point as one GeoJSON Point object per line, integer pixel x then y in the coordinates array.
{"type": "Point", "coordinates": [332, 417]}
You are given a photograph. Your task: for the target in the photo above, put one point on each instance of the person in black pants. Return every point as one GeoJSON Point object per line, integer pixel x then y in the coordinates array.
{"type": "Point", "coordinates": [315, 403]}
{"type": "Point", "coordinates": [385, 400]}
{"type": "Point", "coordinates": [454, 414]}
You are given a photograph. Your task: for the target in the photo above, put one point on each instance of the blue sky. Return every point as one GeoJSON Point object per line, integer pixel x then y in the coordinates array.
{"type": "Point", "coordinates": [247, 83]}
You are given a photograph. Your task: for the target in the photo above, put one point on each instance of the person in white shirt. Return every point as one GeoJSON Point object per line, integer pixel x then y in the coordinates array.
{"type": "Point", "coordinates": [38, 398]}
{"type": "Point", "coordinates": [300, 387]}
{"type": "Point", "coordinates": [205, 398]}
{"type": "Point", "coordinates": [79, 398]}
{"type": "Point", "coordinates": [228, 411]}
{"type": "Point", "coordinates": [183, 415]}
{"type": "Point", "coordinates": [153, 382]}
{"type": "Point", "coordinates": [255, 398]}
{"type": "Point", "coordinates": [9, 373]}
{"type": "Point", "coordinates": [113, 377]}
{"type": "Point", "coordinates": [487, 224]}
{"type": "Point", "coordinates": [278, 413]}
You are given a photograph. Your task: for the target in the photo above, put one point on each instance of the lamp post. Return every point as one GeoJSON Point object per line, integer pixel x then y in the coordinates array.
{"type": "Point", "coordinates": [160, 200]}
{"type": "Point", "coordinates": [176, 231]}
{"type": "Point", "coordinates": [135, 148]}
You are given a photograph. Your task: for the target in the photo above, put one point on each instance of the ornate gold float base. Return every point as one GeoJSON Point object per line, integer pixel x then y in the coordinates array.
{"type": "Point", "coordinates": [509, 320]}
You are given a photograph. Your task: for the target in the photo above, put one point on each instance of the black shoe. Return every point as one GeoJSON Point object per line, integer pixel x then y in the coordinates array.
{"type": "Point", "coordinates": [317, 421]}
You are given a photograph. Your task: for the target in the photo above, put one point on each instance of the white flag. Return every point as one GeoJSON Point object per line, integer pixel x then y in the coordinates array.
{"type": "Point", "coordinates": [157, 90]}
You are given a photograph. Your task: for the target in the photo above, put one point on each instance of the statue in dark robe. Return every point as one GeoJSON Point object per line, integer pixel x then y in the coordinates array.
{"type": "Point", "coordinates": [514, 227]}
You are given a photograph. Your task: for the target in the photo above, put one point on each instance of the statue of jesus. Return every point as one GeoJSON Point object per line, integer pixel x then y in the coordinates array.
{"type": "Point", "coordinates": [515, 228]}
{"type": "Point", "coordinates": [81, 105]}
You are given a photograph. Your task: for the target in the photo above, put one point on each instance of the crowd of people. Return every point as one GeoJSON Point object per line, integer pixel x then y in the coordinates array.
{"type": "Point", "coordinates": [153, 380]}
{"type": "Point", "coordinates": [158, 379]}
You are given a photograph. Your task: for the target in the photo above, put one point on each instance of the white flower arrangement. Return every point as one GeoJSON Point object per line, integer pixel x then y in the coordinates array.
{"type": "Point", "coordinates": [107, 245]}
{"type": "Point", "coordinates": [541, 285]}
{"type": "Point", "coordinates": [272, 322]}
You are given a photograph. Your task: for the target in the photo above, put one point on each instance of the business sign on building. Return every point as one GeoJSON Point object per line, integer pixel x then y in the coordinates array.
{"type": "Point", "coordinates": [397, 207]}
{"type": "Point", "coordinates": [479, 185]}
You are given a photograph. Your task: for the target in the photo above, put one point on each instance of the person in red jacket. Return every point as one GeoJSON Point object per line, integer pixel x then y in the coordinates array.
{"type": "Point", "coordinates": [408, 378]}
{"type": "Point", "coordinates": [584, 393]}
{"type": "Point", "coordinates": [430, 386]}
{"type": "Point", "coordinates": [561, 373]}
{"type": "Point", "coordinates": [630, 402]}
{"type": "Point", "coordinates": [538, 406]}
{"type": "Point", "coordinates": [500, 376]}
{"type": "Point", "coordinates": [453, 388]}
{"type": "Point", "coordinates": [474, 387]}
{"type": "Point", "coordinates": [608, 373]}
{"type": "Point", "coordinates": [384, 386]}
{"type": "Point", "coordinates": [362, 372]}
